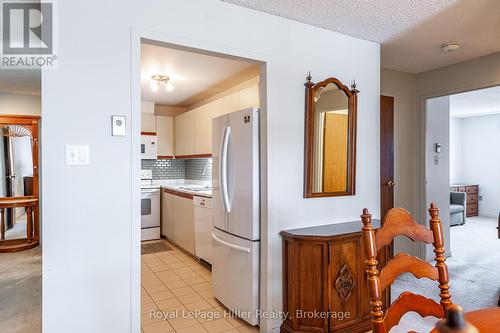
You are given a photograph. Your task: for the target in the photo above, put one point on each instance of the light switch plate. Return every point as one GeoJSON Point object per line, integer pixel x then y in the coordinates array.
{"type": "Point", "coordinates": [118, 125]}
{"type": "Point", "coordinates": [77, 155]}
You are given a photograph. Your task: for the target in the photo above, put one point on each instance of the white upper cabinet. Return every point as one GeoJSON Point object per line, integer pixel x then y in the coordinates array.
{"type": "Point", "coordinates": [193, 129]}
{"type": "Point", "coordinates": [165, 134]}
{"type": "Point", "coordinates": [203, 126]}
{"type": "Point", "coordinates": [249, 97]}
{"type": "Point", "coordinates": [231, 103]}
{"type": "Point", "coordinates": [148, 122]}
{"type": "Point", "coordinates": [184, 133]}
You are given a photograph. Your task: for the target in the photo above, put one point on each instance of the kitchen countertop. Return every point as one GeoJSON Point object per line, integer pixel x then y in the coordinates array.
{"type": "Point", "coordinates": [179, 184]}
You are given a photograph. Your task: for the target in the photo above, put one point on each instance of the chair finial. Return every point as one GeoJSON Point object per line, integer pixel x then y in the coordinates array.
{"type": "Point", "coordinates": [434, 211]}
{"type": "Point", "coordinates": [366, 218]}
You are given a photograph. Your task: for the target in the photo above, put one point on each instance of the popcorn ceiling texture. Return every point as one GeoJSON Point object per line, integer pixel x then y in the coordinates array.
{"type": "Point", "coordinates": [410, 31]}
{"type": "Point", "coordinates": [375, 20]}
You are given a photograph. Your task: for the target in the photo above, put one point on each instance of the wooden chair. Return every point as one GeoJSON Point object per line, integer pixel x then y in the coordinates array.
{"type": "Point", "coordinates": [398, 221]}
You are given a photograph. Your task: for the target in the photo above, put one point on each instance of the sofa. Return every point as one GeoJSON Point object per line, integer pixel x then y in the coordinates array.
{"type": "Point", "coordinates": [458, 202]}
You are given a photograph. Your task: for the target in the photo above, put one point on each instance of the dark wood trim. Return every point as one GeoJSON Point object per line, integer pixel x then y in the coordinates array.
{"type": "Point", "coordinates": [194, 156]}
{"type": "Point", "coordinates": [165, 157]}
{"type": "Point", "coordinates": [311, 89]}
{"type": "Point", "coordinates": [12, 119]}
{"type": "Point", "coordinates": [148, 133]}
{"type": "Point", "coordinates": [17, 245]}
{"type": "Point", "coordinates": [178, 193]}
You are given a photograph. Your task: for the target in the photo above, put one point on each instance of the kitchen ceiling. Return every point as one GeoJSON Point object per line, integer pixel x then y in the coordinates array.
{"type": "Point", "coordinates": [475, 103]}
{"type": "Point", "coordinates": [194, 76]}
{"type": "Point", "coordinates": [410, 31]}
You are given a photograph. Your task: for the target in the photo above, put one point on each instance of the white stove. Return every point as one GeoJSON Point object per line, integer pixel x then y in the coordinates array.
{"type": "Point", "coordinates": [150, 207]}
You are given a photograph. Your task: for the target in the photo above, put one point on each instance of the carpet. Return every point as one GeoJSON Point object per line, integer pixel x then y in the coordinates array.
{"type": "Point", "coordinates": [474, 270]}
{"type": "Point", "coordinates": [154, 247]}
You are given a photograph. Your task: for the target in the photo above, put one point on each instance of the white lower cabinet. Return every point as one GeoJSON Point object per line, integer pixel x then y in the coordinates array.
{"type": "Point", "coordinates": [178, 221]}
{"type": "Point", "coordinates": [167, 223]}
{"type": "Point", "coordinates": [184, 223]}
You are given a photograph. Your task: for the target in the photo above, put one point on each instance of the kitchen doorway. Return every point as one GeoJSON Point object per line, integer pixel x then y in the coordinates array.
{"type": "Point", "coordinates": [181, 91]}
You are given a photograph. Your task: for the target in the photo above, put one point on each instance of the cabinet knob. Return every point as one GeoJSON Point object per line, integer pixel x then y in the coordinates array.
{"type": "Point", "coordinates": [390, 184]}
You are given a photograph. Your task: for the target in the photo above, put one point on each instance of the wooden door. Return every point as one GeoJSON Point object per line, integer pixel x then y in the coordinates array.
{"type": "Point", "coordinates": [386, 174]}
{"type": "Point", "coordinates": [386, 154]}
{"type": "Point", "coordinates": [335, 163]}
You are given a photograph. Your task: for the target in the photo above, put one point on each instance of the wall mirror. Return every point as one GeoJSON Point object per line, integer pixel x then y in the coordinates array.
{"type": "Point", "coordinates": [330, 139]}
{"type": "Point", "coordinates": [19, 227]}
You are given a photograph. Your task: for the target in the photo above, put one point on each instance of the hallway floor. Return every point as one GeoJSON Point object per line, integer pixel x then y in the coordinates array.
{"type": "Point", "coordinates": [473, 268]}
{"type": "Point", "coordinates": [176, 284]}
{"type": "Point", "coordinates": [20, 291]}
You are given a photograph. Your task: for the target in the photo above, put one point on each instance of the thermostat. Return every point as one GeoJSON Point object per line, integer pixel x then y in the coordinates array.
{"type": "Point", "coordinates": [118, 125]}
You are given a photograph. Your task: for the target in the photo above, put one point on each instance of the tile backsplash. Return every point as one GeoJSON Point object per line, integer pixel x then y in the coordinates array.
{"type": "Point", "coordinates": [165, 169]}
{"type": "Point", "coordinates": [195, 169]}
{"type": "Point", "coordinates": [199, 169]}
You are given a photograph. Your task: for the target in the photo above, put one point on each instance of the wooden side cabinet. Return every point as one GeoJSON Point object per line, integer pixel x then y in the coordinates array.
{"type": "Point", "coordinates": [324, 283]}
{"type": "Point", "coordinates": [472, 205]}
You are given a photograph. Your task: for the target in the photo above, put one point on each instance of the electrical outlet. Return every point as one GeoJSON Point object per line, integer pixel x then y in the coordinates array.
{"type": "Point", "coordinates": [480, 198]}
{"type": "Point", "coordinates": [436, 159]}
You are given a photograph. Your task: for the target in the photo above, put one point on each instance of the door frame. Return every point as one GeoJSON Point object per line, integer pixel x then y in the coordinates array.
{"type": "Point", "coordinates": [422, 213]}
{"type": "Point", "coordinates": [181, 42]}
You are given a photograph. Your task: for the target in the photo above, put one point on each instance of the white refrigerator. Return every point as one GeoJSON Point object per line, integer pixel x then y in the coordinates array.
{"type": "Point", "coordinates": [236, 212]}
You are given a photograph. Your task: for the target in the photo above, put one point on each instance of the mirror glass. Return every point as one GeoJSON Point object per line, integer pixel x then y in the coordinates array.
{"type": "Point", "coordinates": [16, 174]}
{"type": "Point", "coordinates": [331, 140]}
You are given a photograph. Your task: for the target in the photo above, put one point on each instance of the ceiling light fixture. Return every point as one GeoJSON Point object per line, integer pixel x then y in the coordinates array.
{"type": "Point", "coordinates": [450, 47]}
{"type": "Point", "coordinates": [157, 80]}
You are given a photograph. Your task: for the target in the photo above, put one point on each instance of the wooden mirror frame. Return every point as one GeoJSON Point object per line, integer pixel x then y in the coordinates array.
{"type": "Point", "coordinates": [311, 89]}
{"type": "Point", "coordinates": [20, 244]}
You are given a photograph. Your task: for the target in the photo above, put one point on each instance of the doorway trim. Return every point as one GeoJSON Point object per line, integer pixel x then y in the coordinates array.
{"type": "Point", "coordinates": [421, 144]}
{"type": "Point", "coordinates": [181, 42]}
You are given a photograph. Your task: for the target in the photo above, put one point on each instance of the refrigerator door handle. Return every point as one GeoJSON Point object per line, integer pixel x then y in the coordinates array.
{"type": "Point", "coordinates": [231, 245]}
{"type": "Point", "coordinates": [223, 169]}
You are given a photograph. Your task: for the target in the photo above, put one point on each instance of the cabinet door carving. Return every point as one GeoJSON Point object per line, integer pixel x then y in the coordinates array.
{"type": "Point", "coordinates": [344, 282]}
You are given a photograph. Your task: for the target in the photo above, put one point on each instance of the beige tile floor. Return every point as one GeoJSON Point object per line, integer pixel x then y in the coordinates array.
{"type": "Point", "coordinates": [179, 286]}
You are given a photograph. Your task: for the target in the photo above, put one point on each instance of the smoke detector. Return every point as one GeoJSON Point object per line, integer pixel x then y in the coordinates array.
{"type": "Point", "coordinates": [450, 47]}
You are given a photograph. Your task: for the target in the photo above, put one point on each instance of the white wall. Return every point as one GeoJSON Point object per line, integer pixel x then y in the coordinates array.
{"type": "Point", "coordinates": [403, 87]}
{"type": "Point", "coordinates": [481, 160]}
{"type": "Point", "coordinates": [456, 150]}
{"type": "Point", "coordinates": [87, 252]}
{"type": "Point", "coordinates": [11, 103]}
{"type": "Point", "coordinates": [437, 172]}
